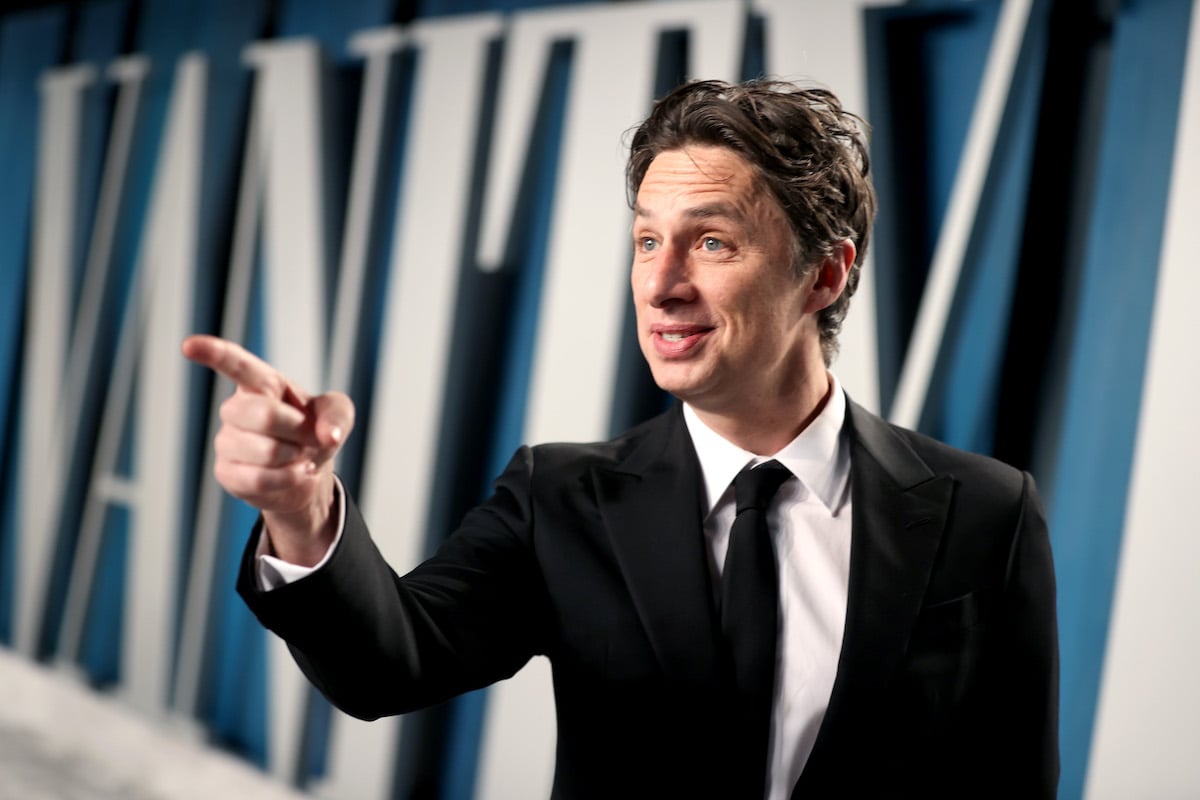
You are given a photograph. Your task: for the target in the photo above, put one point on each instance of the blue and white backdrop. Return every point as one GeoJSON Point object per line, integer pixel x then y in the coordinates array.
{"type": "Point", "coordinates": [422, 203]}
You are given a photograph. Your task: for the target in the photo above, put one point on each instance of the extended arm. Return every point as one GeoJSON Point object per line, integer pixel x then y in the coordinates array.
{"type": "Point", "coordinates": [377, 643]}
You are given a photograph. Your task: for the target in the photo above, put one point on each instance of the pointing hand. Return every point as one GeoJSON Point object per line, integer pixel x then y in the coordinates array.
{"type": "Point", "coordinates": [276, 446]}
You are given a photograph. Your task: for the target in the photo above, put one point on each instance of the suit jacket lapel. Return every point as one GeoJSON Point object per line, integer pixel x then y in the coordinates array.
{"type": "Point", "coordinates": [899, 512]}
{"type": "Point", "coordinates": [652, 505]}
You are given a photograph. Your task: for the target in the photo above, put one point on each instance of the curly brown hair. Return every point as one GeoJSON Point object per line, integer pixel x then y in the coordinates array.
{"type": "Point", "coordinates": [810, 152]}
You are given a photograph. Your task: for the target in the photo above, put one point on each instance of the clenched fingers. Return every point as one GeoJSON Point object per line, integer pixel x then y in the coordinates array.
{"type": "Point", "coordinates": [281, 490]}
{"type": "Point", "coordinates": [267, 416]}
{"type": "Point", "coordinates": [254, 449]}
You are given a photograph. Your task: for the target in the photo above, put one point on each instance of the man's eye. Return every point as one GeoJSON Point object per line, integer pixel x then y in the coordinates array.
{"type": "Point", "coordinates": [646, 244]}
{"type": "Point", "coordinates": [712, 244]}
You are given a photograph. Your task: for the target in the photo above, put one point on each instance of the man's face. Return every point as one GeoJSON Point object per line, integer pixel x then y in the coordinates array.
{"type": "Point", "coordinates": [721, 316]}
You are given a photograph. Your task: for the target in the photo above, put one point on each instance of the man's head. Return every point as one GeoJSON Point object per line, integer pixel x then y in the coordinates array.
{"type": "Point", "coordinates": [809, 153]}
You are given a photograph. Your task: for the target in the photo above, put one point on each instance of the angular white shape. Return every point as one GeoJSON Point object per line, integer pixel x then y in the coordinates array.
{"type": "Point", "coordinates": [43, 451]}
{"type": "Point", "coordinates": [1145, 739]}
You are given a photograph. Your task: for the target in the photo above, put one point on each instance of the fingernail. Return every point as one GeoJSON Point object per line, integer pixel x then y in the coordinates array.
{"type": "Point", "coordinates": [336, 434]}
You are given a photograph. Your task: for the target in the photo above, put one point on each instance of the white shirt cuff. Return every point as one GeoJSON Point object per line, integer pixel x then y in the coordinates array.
{"type": "Point", "coordinates": [274, 572]}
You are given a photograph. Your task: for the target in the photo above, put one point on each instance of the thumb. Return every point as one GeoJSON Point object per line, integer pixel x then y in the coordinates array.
{"type": "Point", "coordinates": [333, 419]}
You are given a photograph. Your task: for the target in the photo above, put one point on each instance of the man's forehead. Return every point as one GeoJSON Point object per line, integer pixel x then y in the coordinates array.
{"type": "Point", "coordinates": [716, 162]}
{"type": "Point", "coordinates": [708, 181]}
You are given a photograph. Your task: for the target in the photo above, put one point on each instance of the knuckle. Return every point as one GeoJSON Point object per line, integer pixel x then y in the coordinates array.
{"type": "Point", "coordinates": [274, 384]}
{"type": "Point", "coordinates": [228, 408]}
{"type": "Point", "coordinates": [226, 474]}
{"type": "Point", "coordinates": [279, 452]}
{"type": "Point", "coordinates": [260, 481]}
{"type": "Point", "coordinates": [259, 416]}
{"type": "Point", "coordinates": [221, 443]}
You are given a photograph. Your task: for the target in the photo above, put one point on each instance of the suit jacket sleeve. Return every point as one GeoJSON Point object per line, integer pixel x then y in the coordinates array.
{"type": "Point", "coordinates": [1024, 662]}
{"type": "Point", "coordinates": [376, 643]}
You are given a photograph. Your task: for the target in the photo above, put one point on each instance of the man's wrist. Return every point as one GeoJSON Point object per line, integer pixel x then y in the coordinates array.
{"type": "Point", "coordinates": [303, 537]}
{"type": "Point", "coordinates": [274, 571]}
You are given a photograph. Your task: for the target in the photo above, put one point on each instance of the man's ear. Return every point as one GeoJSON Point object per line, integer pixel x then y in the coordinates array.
{"type": "Point", "coordinates": [830, 276]}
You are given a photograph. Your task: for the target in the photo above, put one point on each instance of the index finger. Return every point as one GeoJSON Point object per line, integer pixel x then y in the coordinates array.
{"type": "Point", "coordinates": [235, 362]}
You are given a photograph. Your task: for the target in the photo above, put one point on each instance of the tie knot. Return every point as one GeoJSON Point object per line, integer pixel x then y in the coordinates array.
{"type": "Point", "coordinates": [755, 486]}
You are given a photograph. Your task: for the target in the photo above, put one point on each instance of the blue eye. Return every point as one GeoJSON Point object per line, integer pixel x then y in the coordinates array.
{"type": "Point", "coordinates": [712, 244]}
{"type": "Point", "coordinates": [647, 244]}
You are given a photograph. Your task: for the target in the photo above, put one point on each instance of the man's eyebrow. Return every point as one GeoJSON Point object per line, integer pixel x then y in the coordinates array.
{"type": "Point", "coordinates": [706, 211]}
{"type": "Point", "coordinates": [713, 210]}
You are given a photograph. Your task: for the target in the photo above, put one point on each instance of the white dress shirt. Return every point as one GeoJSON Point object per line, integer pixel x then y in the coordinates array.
{"type": "Point", "coordinates": [809, 520]}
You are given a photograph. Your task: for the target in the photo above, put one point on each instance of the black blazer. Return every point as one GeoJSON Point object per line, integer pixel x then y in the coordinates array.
{"type": "Point", "coordinates": [592, 555]}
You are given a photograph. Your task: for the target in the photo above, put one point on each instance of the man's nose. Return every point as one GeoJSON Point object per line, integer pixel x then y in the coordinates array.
{"type": "Point", "coordinates": [668, 277]}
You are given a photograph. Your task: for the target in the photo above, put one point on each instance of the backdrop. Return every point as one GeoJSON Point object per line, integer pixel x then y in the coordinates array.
{"type": "Point", "coordinates": [422, 203]}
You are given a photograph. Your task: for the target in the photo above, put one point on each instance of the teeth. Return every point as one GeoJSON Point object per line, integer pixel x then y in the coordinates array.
{"type": "Point", "coordinates": [674, 337]}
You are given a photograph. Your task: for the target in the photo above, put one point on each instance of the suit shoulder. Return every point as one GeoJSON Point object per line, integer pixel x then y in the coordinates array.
{"type": "Point", "coordinates": [947, 458]}
{"type": "Point", "coordinates": [987, 489]}
{"type": "Point", "coordinates": [971, 469]}
{"type": "Point", "coordinates": [568, 456]}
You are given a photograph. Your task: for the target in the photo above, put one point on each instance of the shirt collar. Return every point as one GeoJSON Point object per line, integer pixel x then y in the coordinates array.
{"type": "Point", "coordinates": [818, 456]}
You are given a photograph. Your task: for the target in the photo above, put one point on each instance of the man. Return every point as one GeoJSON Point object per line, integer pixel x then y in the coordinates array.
{"type": "Point", "coordinates": [910, 636]}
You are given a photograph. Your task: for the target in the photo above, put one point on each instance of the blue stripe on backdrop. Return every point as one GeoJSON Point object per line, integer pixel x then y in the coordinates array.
{"type": "Point", "coordinates": [919, 115]}
{"type": "Point", "coordinates": [100, 651]}
{"type": "Point", "coordinates": [960, 34]}
{"type": "Point", "coordinates": [1107, 357]}
{"type": "Point", "coordinates": [98, 36]}
{"type": "Point", "coordinates": [229, 26]}
{"type": "Point", "coordinates": [103, 632]}
{"type": "Point", "coordinates": [237, 701]}
{"type": "Point", "coordinates": [332, 24]}
{"type": "Point", "coordinates": [964, 396]}
{"type": "Point", "coordinates": [233, 683]}
{"type": "Point", "coordinates": [29, 44]}
{"type": "Point", "coordinates": [441, 8]}
{"type": "Point", "coordinates": [163, 34]}
{"type": "Point", "coordinates": [156, 41]}
{"type": "Point", "coordinates": [97, 40]}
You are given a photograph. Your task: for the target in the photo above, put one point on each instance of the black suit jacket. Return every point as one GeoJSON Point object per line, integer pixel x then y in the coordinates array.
{"type": "Point", "coordinates": [593, 556]}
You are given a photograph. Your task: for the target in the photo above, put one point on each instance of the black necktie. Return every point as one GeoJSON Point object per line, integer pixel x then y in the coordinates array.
{"type": "Point", "coordinates": [750, 619]}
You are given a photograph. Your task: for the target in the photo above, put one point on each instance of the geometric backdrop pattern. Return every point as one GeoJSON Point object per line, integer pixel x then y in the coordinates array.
{"type": "Point", "coordinates": [421, 203]}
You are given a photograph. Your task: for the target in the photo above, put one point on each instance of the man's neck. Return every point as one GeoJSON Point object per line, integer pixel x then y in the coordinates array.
{"type": "Point", "coordinates": [765, 428]}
